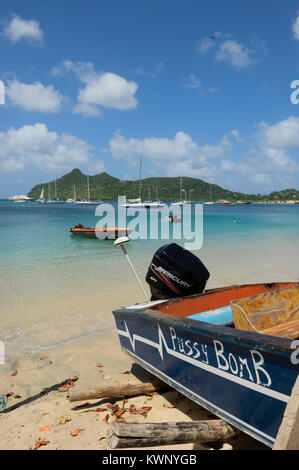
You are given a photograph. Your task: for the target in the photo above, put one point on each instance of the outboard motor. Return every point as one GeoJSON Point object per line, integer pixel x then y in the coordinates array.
{"type": "Point", "coordinates": [176, 272]}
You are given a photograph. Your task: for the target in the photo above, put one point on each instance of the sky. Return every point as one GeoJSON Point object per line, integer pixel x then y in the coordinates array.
{"type": "Point", "coordinates": [206, 89]}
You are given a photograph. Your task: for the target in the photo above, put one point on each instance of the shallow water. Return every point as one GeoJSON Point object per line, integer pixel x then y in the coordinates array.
{"type": "Point", "coordinates": [56, 288]}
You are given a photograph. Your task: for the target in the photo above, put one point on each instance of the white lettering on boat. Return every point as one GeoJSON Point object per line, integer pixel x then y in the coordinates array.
{"type": "Point", "coordinates": [235, 364]}
{"type": "Point", "coordinates": [249, 367]}
{"type": "Point", "coordinates": [244, 371]}
{"type": "Point", "coordinates": [188, 347]}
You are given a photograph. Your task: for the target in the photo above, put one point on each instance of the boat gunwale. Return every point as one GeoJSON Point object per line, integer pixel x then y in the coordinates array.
{"type": "Point", "coordinates": [265, 343]}
{"type": "Point", "coordinates": [208, 292]}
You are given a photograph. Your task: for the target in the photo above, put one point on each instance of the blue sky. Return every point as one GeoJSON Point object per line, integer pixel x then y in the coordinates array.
{"type": "Point", "coordinates": [197, 88]}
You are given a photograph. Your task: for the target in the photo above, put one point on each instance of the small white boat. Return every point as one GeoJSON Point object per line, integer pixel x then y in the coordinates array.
{"type": "Point", "coordinates": [137, 203]}
{"type": "Point", "coordinates": [87, 201]}
{"type": "Point", "coordinates": [70, 200]}
{"type": "Point", "coordinates": [143, 205]}
{"type": "Point", "coordinates": [180, 202]}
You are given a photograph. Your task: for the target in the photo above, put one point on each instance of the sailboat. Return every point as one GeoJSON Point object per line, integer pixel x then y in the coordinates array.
{"type": "Point", "coordinates": [74, 199]}
{"type": "Point", "coordinates": [180, 202]}
{"type": "Point", "coordinates": [137, 203]}
{"type": "Point", "coordinates": [87, 201]}
{"type": "Point", "coordinates": [56, 199]}
{"type": "Point", "coordinates": [210, 201]}
{"type": "Point", "coordinates": [41, 198]}
{"type": "Point", "coordinates": [47, 200]}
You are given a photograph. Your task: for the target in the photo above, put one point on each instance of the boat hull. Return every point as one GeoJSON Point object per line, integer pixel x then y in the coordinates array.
{"type": "Point", "coordinates": [101, 233]}
{"type": "Point", "coordinates": [244, 378]}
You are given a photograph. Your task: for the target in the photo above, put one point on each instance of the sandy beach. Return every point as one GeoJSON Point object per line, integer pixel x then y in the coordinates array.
{"type": "Point", "coordinates": [38, 410]}
{"type": "Point", "coordinates": [56, 324]}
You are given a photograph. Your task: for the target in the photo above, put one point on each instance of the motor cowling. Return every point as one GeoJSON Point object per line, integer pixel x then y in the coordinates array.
{"type": "Point", "coordinates": [176, 272]}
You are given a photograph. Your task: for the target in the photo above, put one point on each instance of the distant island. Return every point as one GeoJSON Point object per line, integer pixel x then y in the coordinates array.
{"type": "Point", "coordinates": [107, 187]}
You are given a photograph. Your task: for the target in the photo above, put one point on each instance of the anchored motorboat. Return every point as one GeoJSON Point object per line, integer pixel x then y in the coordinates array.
{"type": "Point", "coordinates": [111, 233]}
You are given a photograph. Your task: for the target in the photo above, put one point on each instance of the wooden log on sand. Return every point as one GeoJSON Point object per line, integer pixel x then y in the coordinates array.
{"type": "Point", "coordinates": [288, 434]}
{"type": "Point", "coordinates": [126, 435]}
{"type": "Point", "coordinates": [117, 388]}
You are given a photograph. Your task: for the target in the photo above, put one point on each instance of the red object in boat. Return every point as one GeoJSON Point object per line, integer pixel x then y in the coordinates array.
{"type": "Point", "coordinates": [174, 218]}
{"type": "Point", "coordinates": [110, 233]}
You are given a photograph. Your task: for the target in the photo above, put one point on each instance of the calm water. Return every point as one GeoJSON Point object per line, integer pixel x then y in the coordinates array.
{"type": "Point", "coordinates": [56, 287]}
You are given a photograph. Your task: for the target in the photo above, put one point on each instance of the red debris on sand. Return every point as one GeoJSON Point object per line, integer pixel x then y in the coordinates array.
{"type": "Point", "coordinates": [69, 383]}
{"type": "Point", "coordinates": [40, 443]}
{"type": "Point", "coordinates": [82, 404]}
{"type": "Point", "coordinates": [44, 428]}
{"type": "Point", "coordinates": [76, 432]}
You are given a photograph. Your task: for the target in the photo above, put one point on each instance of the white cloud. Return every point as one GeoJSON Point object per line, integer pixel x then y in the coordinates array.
{"type": "Point", "coordinates": [34, 97]}
{"type": "Point", "coordinates": [17, 29]}
{"type": "Point", "coordinates": [87, 110]}
{"type": "Point", "coordinates": [295, 28]}
{"type": "Point", "coordinates": [261, 179]}
{"type": "Point", "coordinates": [214, 89]}
{"type": "Point", "coordinates": [205, 45]}
{"type": "Point", "coordinates": [36, 146]}
{"type": "Point", "coordinates": [104, 89]}
{"type": "Point", "coordinates": [151, 73]}
{"type": "Point", "coordinates": [262, 168]}
{"type": "Point", "coordinates": [284, 134]}
{"type": "Point", "coordinates": [234, 54]}
{"type": "Point", "coordinates": [226, 49]}
{"type": "Point", "coordinates": [193, 82]}
{"type": "Point", "coordinates": [109, 90]}
{"type": "Point", "coordinates": [227, 165]}
{"type": "Point", "coordinates": [186, 157]}
{"type": "Point", "coordinates": [269, 161]}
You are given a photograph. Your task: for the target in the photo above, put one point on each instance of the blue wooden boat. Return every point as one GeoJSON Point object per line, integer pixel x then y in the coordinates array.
{"type": "Point", "coordinates": [191, 343]}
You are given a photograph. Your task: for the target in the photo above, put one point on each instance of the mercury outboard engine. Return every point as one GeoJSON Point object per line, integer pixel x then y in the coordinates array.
{"type": "Point", "coordinates": [176, 272]}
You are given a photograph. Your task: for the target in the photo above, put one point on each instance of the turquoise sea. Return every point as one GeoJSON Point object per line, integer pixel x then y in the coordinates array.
{"type": "Point", "coordinates": [57, 288]}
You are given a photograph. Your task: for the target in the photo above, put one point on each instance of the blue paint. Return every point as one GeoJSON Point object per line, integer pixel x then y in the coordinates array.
{"type": "Point", "coordinates": [220, 316]}
{"type": "Point", "coordinates": [207, 364]}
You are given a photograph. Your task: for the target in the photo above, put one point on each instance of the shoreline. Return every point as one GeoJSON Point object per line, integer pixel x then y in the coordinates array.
{"type": "Point", "coordinates": [42, 406]}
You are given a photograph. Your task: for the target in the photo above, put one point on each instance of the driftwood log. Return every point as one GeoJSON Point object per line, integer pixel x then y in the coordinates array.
{"type": "Point", "coordinates": [126, 435]}
{"type": "Point", "coordinates": [116, 388]}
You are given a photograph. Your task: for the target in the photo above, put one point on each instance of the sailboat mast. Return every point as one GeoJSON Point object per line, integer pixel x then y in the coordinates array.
{"type": "Point", "coordinates": [55, 190]}
{"type": "Point", "coordinates": [88, 191]}
{"type": "Point", "coordinates": [49, 195]}
{"type": "Point", "coordinates": [180, 188]}
{"type": "Point", "coordinates": [140, 173]}
{"type": "Point", "coordinates": [74, 193]}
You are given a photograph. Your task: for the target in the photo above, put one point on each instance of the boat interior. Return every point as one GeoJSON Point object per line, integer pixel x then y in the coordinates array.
{"type": "Point", "coordinates": [271, 309]}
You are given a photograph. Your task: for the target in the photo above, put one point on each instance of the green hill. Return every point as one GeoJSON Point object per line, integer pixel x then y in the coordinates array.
{"type": "Point", "coordinates": [104, 186]}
